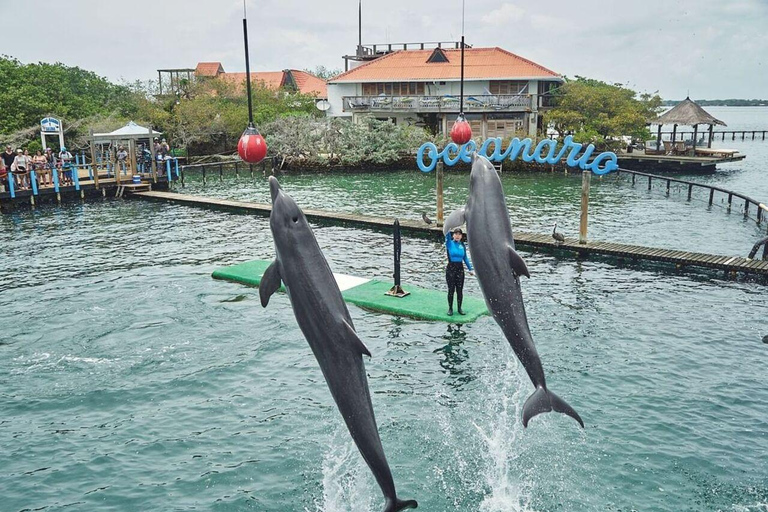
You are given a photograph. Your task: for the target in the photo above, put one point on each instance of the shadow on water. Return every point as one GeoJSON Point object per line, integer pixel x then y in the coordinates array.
{"type": "Point", "coordinates": [455, 355]}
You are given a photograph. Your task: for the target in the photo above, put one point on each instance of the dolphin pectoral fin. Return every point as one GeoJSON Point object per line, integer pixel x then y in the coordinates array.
{"type": "Point", "coordinates": [356, 341]}
{"type": "Point", "coordinates": [454, 220]}
{"type": "Point", "coordinates": [544, 401]}
{"type": "Point", "coordinates": [270, 283]}
{"type": "Point", "coordinates": [518, 265]}
{"type": "Point", "coordinates": [398, 504]}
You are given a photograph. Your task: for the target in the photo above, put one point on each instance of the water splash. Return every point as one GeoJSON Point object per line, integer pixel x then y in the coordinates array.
{"type": "Point", "coordinates": [347, 483]}
{"type": "Point", "coordinates": [502, 434]}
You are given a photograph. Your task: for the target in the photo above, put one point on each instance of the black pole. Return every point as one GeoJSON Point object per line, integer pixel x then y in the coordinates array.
{"type": "Point", "coordinates": [247, 70]}
{"type": "Point", "coordinates": [398, 247]}
{"type": "Point", "coordinates": [461, 94]}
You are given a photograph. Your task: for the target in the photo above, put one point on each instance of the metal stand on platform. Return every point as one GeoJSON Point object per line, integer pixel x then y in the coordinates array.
{"type": "Point", "coordinates": [397, 290]}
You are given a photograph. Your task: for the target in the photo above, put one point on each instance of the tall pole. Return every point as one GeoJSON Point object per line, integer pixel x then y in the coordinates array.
{"type": "Point", "coordinates": [461, 94]}
{"type": "Point", "coordinates": [247, 69]}
{"type": "Point", "coordinates": [360, 27]}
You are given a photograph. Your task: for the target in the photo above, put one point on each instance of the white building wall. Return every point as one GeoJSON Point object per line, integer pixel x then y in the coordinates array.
{"type": "Point", "coordinates": [335, 94]}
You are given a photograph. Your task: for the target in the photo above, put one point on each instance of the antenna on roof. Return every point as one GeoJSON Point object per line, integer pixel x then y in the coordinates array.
{"type": "Point", "coordinates": [359, 24]}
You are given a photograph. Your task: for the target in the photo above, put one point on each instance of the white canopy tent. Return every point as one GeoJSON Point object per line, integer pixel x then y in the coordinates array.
{"type": "Point", "coordinates": [129, 133]}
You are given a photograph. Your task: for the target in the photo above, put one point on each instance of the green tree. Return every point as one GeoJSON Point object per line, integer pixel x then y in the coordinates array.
{"type": "Point", "coordinates": [601, 113]}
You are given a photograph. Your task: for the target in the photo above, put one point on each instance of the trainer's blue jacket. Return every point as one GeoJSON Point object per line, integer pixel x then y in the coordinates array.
{"type": "Point", "coordinates": [457, 252]}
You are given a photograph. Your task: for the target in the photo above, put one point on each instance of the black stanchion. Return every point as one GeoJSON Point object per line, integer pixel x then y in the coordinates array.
{"type": "Point", "coordinates": [397, 290]}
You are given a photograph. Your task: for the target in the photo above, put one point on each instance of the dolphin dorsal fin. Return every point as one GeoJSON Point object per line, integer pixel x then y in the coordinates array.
{"type": "Point", "coordinates": [356, 341]}
{"type": "Point", "coordinates": [518, 265]}
{"type": "Point", "coordinates": [270, 283]}
{"type": "Point", "coordinates": [454, 220]}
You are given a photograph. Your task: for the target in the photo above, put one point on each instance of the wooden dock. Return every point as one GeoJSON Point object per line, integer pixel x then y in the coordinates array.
{"type": "Point", "coordinates": [698, 164]}
{"type": "Point", "coordinates": [681, 260]}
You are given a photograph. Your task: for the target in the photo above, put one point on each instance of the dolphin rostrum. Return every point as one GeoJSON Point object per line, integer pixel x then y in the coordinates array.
{"type": "Point", "coordinates": [498, 268]}
{"type": "Point", "coordinates": [324, 319]}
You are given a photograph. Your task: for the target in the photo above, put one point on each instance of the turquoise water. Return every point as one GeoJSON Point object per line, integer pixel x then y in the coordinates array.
{"type": "Point", "coordinates": [130, 380]}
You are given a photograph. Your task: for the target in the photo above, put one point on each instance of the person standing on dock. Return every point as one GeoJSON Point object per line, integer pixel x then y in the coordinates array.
{"type": "Point", "coordinates": [454, 271]}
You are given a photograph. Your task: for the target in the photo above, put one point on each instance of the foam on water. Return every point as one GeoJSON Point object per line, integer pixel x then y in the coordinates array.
{"type": "Point", "coordinates": [347, 483]}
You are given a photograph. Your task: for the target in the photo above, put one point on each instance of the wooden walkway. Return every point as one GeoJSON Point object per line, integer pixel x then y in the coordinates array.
{"type": "Point", "coordinates": [681, 259]}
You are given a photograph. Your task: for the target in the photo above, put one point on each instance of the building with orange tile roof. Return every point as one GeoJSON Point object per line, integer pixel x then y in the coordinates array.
{"type": "Point", "coordinates": [289, 79]}
{"type": "Point", "coordinates": [503, 92]}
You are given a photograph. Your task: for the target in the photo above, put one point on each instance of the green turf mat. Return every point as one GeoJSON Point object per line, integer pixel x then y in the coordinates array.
{"type": "Point", "coordinates": [422, 304]}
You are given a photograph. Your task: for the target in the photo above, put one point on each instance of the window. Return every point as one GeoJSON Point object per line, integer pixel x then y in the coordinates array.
{"type": "Point", "coordinates": [394, 89]}
{"type": "Point", "coordinates": [508, 87]}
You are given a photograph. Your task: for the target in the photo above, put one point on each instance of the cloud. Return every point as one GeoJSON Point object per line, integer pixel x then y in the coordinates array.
{"type": "Point", "coordinates": [505, 14]}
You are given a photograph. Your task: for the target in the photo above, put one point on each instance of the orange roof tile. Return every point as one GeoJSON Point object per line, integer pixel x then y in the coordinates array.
{"type": "Point", "coordinates": [479, 64]}
{"type": "Point", "coordinates": [306, 83]}
{"type": "Point", "coordinates": [310, 84]}
{"type": "Point", "coordinates": [208, 69]}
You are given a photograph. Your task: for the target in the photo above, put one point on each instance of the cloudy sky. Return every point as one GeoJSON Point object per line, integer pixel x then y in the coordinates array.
{"type": "Point", "coordinates": [714, 49]}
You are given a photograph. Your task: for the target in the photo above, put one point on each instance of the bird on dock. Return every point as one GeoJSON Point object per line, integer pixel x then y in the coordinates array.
{"type": "Point", "coordinates": [559, 238]}
{"type": "Point", "coordinates": [425, 218]}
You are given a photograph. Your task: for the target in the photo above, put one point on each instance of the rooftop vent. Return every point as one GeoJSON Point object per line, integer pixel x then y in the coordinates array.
{"type": "Point", "coordinates": [438, 55]}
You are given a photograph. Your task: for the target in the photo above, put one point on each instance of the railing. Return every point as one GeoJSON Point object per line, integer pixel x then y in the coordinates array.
{"type": "Point", "coordinates": [448, 103]}
{"type": "Point", "coordinates": [171, 167]}
{"type": "Point", "coordinates": [370, 50]}
{"type": "Point", "coordinates": [722, 133]}
{"type": "Point", "coordinates": [751, 208]}
{"type": "Point", "coordinates": [217, 169]}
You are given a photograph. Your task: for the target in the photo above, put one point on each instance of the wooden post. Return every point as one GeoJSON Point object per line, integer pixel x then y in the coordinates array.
{"type": "Point", "coordinates": [439, 191]}
{"type": "Point", "coordinates": [132, 157]}
{"type": "Point", "coordinates": [94, 167]}
{"type": "Point", "coordinates": [153, 165]}
{"type": "Point", "coordinates": [658, 139]}
{"type": "Point", "coordinates": [674, 134]}
{"type": "Point", "coordinates": [709, 143]}
{"type": "Point", "coordinates": [113, 161]}
{"type": "Point", "coordinates": [690, 189]}
{"type": "Point", "coordinates": [585, 179]}
{"type": "Point", "coordinates": [695, 134]}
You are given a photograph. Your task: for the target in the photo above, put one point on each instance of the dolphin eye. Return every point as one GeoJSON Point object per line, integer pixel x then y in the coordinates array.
{"type": "Point", "coordinates": [296, 219]}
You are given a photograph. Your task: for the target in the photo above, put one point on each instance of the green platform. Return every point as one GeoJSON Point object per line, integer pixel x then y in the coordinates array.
{"type": "Point", "coordinates": [421, 304]}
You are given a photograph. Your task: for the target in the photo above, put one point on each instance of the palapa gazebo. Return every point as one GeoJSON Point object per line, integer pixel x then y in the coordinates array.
{"type": "Point", "coordinates": [687, 113]}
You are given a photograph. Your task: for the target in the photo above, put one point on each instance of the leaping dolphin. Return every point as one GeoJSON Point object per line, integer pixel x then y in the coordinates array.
{"type": "Point", "coordinates": [324, 319]}
{"type": "Point", "coordinates": [498, 268]}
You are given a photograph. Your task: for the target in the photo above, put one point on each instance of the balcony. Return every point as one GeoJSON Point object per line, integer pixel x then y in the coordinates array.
{"type": "Point", "coordinates": [438, 104]}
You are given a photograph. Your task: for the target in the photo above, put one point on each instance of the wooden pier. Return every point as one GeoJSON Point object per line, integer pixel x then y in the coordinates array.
{"type": "Point", "coordinates": [675, 163]}
{"type": "Point", "coordinates": [681, 260]}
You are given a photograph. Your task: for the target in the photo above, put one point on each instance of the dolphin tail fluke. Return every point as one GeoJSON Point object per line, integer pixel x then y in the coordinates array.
{"type": "Point", "coordinates": [544, 401]}
{"type": "Point", "coordinates": [398, 504]}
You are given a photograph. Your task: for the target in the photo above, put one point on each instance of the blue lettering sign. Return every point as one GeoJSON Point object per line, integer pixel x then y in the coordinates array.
{"type": "Point", "coordinates": [545, 152]}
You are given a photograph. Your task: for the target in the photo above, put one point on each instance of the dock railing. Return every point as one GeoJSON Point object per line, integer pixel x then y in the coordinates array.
{"type": "Point", "coordinates": [751, 208]}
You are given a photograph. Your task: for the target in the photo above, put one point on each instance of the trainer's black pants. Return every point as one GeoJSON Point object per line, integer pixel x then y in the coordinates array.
{"type": "Point", "coordinates": [454, 276]}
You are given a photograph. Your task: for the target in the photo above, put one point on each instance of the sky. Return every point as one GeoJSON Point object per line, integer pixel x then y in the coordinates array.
{"type": "Point", "coordinates": [706, 48]}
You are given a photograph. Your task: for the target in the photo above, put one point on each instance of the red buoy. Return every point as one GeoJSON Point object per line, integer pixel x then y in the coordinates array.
{"type": "Point", "coordinates": [461, 132]}
{"type": "Point", "coordinates": [252, 147]}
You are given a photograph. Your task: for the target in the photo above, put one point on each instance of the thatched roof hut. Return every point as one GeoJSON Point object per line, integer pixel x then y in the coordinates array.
{"type": "Point", "coordinates": [687, 113]}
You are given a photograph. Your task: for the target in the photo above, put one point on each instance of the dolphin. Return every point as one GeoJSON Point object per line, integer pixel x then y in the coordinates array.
{"type": "Point", "coordinates": [498, 268]}
{"type": "Point", "coordinates": [324, 319]}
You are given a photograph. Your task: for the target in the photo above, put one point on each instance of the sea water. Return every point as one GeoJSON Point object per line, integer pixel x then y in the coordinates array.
{"type": "Point", "coordinates": [130, 380]}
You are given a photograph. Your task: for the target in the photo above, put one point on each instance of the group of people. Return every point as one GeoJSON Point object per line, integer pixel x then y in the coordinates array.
{"type": "Point", "coordinates": [18, 166]}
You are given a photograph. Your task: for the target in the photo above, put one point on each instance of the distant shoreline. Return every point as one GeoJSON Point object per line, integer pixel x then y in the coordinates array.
{"type": "Point", "coordinates": [721, 103]}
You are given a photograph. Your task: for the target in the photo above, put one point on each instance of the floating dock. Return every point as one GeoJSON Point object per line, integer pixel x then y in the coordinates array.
{"type": "Point", "coordinates": [421, 303]}
{"type": "Point", "coordinates": [681, 260]}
